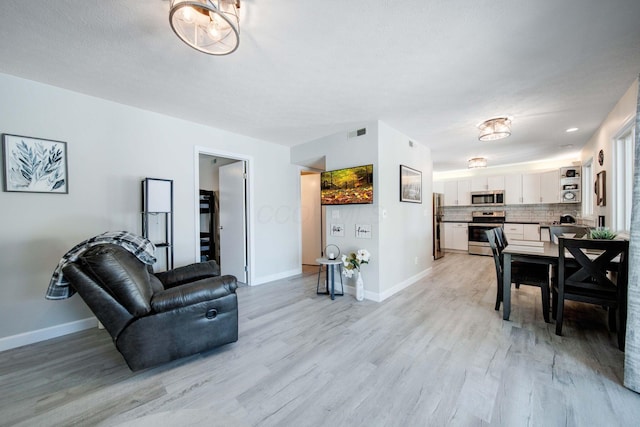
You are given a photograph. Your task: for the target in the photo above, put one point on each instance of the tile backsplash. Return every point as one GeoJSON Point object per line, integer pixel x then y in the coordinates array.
{"type": "Point", "coordinates": [518, 213]}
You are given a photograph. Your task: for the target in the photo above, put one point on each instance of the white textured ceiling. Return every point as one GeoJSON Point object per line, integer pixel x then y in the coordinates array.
{"type": "Point", "coordinates": [431, 69]}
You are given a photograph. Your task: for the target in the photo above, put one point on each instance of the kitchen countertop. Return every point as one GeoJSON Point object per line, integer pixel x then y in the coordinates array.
{"type": "Point", "coordinates": [522, 222]}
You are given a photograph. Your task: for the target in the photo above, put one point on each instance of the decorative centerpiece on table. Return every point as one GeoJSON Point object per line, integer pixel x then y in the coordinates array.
{"type": "Point", "coordinates": [602, 233]}
{"type": "Point", "coordinates": [352, 264]}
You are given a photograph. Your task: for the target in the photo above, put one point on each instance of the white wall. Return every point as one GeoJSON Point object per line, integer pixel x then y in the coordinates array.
{"type": "Point", "coordinates": [603, 139]}
{"type": "Point", "coordinates": [342, 152]}
{"type": "Point", "coordinates": [111, 147]}
{"type": "Point", "coordinates": [406, 230]}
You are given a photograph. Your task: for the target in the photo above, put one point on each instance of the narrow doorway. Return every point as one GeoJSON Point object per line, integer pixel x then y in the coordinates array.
{"type": "Point", "coordinates": [311, 220]}
{"type": "Point", "coordinates": [223, 214]}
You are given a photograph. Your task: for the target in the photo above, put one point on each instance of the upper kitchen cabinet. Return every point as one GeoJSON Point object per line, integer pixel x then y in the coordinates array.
{"type": "Point", "coordinates": [487, 183]}
{"type": "Point", "coordinates": [513, 190]}
{"type": "Point", "coordinates": [457, 193]}
{"type": "Point", "coordinates": [550, 187]}
{"type": "Point", "coordinates": [542, 187]}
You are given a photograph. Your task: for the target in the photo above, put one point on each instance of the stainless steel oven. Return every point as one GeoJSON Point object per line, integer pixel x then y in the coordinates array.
{"type": "Point", "coordinates": [481, 222]}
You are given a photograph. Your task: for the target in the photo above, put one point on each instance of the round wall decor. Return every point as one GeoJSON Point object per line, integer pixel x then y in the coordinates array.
{"type": "Point", "coordinates": [601, 157]}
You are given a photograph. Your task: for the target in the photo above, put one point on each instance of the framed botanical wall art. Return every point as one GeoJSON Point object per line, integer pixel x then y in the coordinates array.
{"type": "Point", "coordinates": [410, 185]}
{"type": "Point", "coordinates": [34, 165]}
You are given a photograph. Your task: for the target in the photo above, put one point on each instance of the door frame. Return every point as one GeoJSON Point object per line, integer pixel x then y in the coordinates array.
{"type": "Point", "coordinates": [249, 214]}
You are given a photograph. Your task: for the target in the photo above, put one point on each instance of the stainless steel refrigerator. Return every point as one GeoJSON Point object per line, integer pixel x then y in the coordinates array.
{"type": "Point", "coordinates": [438, 225]}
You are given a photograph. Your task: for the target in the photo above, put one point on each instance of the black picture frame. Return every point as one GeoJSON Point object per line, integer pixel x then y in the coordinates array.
{"type": "Point", "coordinates": [34, 165]}
{"type": "Point", "coordinates": [410, 185]}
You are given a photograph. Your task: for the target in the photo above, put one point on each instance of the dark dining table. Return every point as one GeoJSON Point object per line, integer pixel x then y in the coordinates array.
{"type": "Point", "coordinates": [532, 252]}
{"type": "Point", "coordinates": [547, 253]}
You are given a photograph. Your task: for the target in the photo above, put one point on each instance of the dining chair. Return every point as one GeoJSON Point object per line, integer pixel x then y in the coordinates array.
{"type": "Point", "coordinates": [571, 231]}
{"type": "Point", "coordinates": [521, 273]}
{"type": "Point", "coordinates": [501, 238]}
{"type": "Point", "coordinates": [594, 272]}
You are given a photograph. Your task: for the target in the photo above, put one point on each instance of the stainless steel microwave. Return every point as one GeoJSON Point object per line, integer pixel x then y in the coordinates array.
{"type": "Point", "coordinates": [487, 198]}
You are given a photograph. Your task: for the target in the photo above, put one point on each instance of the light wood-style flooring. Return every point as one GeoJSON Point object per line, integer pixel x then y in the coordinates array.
{"type": "Point", "coordinates": [435, 354]}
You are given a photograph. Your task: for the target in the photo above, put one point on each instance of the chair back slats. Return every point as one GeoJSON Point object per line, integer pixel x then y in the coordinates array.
{"type": "Point", "coordinates": [501, 238]}
{"type": "Point", "coordinates": [584, 274]}
{"type": "Point", "coordinates": [491, 237]}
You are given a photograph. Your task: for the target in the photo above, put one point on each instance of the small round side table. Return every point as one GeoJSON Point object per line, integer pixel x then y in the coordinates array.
{"type": "Point", "coordinates": [330, 279]}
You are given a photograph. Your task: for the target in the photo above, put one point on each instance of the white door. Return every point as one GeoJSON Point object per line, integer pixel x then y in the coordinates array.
{"type": "Point", "coordinates": [233, 230]}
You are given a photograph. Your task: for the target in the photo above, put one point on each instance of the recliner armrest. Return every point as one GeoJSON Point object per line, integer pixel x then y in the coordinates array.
{"type": "Point", "coordinates": [207, 289]}
{"type": "Point", "coordinates": [188, 273]}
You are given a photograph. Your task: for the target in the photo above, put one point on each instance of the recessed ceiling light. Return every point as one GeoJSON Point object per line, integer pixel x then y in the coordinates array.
{"type": "Point", "coordinates": [572, 130]}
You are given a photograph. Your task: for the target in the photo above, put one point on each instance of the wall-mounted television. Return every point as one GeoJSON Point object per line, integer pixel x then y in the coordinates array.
{"type": "Point", "coordinates": [349, 186]}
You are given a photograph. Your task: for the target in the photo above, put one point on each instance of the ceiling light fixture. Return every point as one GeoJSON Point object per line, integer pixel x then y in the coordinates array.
{"type": "Point", "coordinates": [571, 130]}
{"type": "Point", "coordinates": [477, 162]}
{"type": "Point", "coordinates": [496, 128]}
{"type": "Point", "coordinates": [210, 26]}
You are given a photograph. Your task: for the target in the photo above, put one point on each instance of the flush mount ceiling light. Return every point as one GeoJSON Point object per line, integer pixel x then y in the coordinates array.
{"type": "Point", "coordinates": [210, 26]}
{"type": "Point", "coordinates": [496, 128]}
{"type": "Point", "coordinates": [477, 162]}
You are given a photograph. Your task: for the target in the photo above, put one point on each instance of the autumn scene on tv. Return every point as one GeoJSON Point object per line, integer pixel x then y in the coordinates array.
{"type": "Point", "coordinates": [347, 186]}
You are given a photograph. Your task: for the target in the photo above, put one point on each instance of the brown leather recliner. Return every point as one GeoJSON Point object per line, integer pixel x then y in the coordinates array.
{"type": "Point", "coordinates": [155, 318]}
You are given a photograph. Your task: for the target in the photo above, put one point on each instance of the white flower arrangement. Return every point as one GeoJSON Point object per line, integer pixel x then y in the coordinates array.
{"type": "Point", "coordinates": [354, 261]}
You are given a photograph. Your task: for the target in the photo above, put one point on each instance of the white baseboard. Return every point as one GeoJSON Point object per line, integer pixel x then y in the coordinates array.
{"type": "Point", "coordinates": [277, 276]}
{"type": "Point", "coordinates": [379, 297]}
{"type": "Point", "coordinates": [31, 337]}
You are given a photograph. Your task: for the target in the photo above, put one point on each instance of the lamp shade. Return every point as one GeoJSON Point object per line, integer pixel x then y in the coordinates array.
{"type": "Point", "coordinates": [497, 128]}
{"type": "Point", "coordinates": [210, 26]}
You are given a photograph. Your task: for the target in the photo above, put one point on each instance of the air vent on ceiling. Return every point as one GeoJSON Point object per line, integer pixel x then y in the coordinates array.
{"type": "Point", "coordinates": [358, 132]}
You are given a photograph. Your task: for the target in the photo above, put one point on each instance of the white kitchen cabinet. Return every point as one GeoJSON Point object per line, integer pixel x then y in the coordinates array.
{"type": "Point", "coordinates": [464, 192]}
{"type": "Point", "coordinates": [456, 236]}
{"type": "Point", "coordinates": [451, 193]}
{"type": "Point", "coordinates": [496, 182]}
{"type": "Point", "coordinates": [541, 187]}
{"type": "Point", "coordinates": [457, 193]}
{"type": "Point", "coordinates": [438, 186]}
{"type": "Point", "coordinates": [522, 231]}
{"type": "Point", "coordinates": [487, 183]}
{"type": "Point", "coordinates": [550, 187]}
{"type": "Point", "coordinates": [514, 231]}
{"type": "Point", "coordinates": [531, 231]}
{"type": "Point", "coordinates": [513, 190]}
{"type": "Point", "coordinates": [531, 188]}
{"type": "Point", "coordinates": [479, 183]}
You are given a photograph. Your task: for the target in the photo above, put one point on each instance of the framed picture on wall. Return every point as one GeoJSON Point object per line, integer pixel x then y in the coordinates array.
{"type": "Point", "coordinates": [34, 165]}
{"type": "Point", "coordinates": [601, 188]}
{"type": "Point", "coordinates": [410, 185]}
